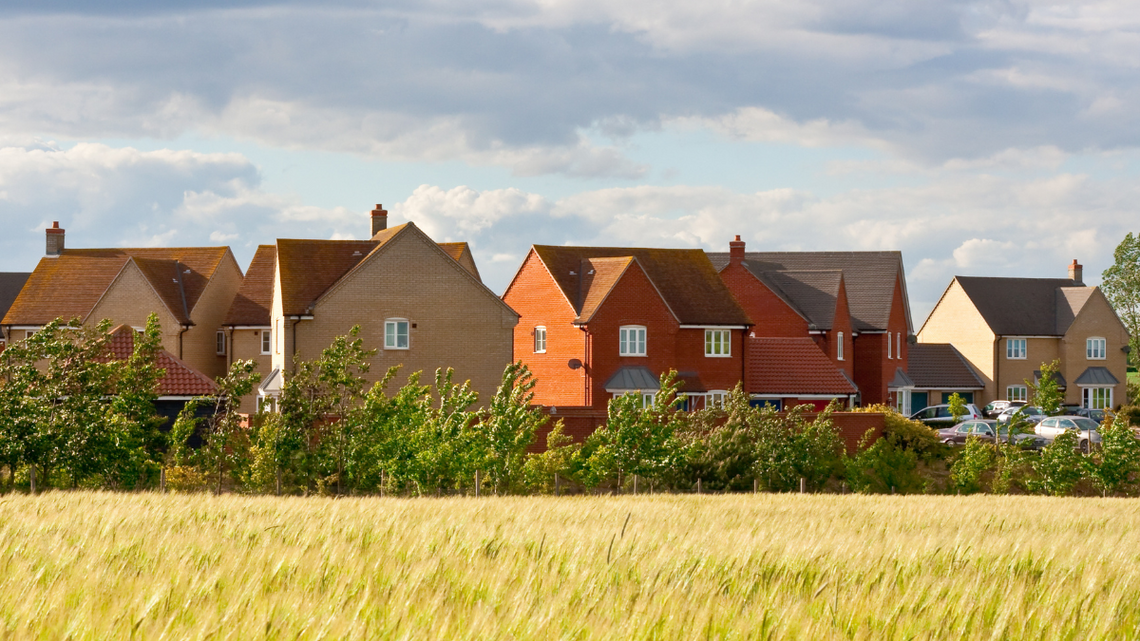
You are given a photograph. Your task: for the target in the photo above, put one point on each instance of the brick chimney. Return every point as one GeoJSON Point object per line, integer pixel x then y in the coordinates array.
{"type": "Point", "coordinates": [735, 251]}
{"type": "Point", "coordinates": [379, 219]}
{"type": "Point", "coordinates": [54, 239]}
{"type": "Point", "coordinates": [1076, 273]}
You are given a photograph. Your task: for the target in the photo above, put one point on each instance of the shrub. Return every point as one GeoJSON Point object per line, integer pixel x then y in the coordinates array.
{"type": "Point", "coordinates": [974, 461]}
{"type": "Point", "coordinates": [883, 466]}
{"type": "Point", "coordinates": [1116, 464]}
{"type": "Point", "coordinates": [1059, 467]}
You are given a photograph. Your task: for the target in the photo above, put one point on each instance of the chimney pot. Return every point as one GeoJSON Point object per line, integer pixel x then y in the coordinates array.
{"type": "Point", "coordinates": [379, 219]}
{"type": "Point", "coordinates": [736, 251]}
{"type": "Point", "coordinates": [55, 236]}
{"type": "Point", "coordinates": [1076, 273]}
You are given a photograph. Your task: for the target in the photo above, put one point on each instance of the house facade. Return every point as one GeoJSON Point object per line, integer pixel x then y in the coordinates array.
{"type": "Point", "coordinates": [598, 322]}
{"type": "Point", "coordinates": [189, 288]}
{"type": "Point", "coordinates": [852, 305]}
{"type": "Point", "coordinates": [1008, 327]}
{"type": "Point", "coordinates": [936, 371]}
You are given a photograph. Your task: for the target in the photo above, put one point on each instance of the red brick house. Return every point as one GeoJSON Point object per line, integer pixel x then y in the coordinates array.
{"type": "Point", "coordinates": [852, 305]}
{"type": "Point", "coordinates": [786, 372]}
{"type": "Point", "coordinates": [603, 321]}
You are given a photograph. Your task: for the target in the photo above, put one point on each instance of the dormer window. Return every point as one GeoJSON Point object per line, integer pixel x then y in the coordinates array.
{"type": "Point", "coordinates": [631, 340]}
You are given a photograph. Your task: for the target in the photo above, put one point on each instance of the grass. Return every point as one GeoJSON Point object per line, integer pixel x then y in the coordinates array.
{"type": "Point", "coordinates": [147, 566]}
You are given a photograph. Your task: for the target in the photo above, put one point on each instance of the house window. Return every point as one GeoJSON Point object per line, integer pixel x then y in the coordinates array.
{"type": "Point", "coordinates": [839, 345]}
{"type": "Point", "coordinates": [1017, 393]}
{"type": "Point", "coordinates": [29, 333]}
{"type": "Point", "coordinates": [220, 342]}
{"type": "Point", "coordinates": [718, 342]}
{"type": "Point", "coordinates": [898, 345]}
{"type": "Point", "coordinates": [1097, 398]}
{"type": "Point", "coordinates": [888, 346]}
{"type": "Point", "coordinates": [395, 333]}
{"type": "Point", "coordinates": [631, 341]}
{"type": "Point", "coordinates": [1095, 349]}
{"type": "Point", "coordinates": [1015, 348]}
{"type": "Point", "coordinates": [902, 402]}
{"type": "Point", "coordinates": [266, 341]}
{"type": "Point", "coordinates": [540, 340]}
{"type": "Point", "coordinates": [715, 399]}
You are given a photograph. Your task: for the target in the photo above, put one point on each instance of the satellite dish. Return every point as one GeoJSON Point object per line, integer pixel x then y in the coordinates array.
{"type": "Point", "coordinates": [574, 364]}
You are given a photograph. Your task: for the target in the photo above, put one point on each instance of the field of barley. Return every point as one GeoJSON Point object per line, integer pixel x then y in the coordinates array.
{"type": "Point", "coordinates": [149, 566]}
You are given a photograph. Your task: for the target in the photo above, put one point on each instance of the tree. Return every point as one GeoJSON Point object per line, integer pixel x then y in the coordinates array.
{"type": "Point", "coordinates": [635, 440]}
{"type": "Point", "coordinates": [508, 426]}
{"type": "Point", "coordinates": [1059, 467]}
{"type": "Point", "coordinates": [974, 461]}
{"type": "Point", "coordinates": [957, 407]}
{"type": "Point", "coordinates": [1047, 392]}
{"type": "Point", "coordinates": [1121, 285]}
{"type": "Point", "coordinates": [1116, 463]}
{"type": "Point", "coordinates": [225, 442]}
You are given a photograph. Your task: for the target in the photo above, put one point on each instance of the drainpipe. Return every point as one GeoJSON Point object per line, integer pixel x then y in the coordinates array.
{"type": "Point", "coordinates": [293, 347]}
{"type": "Point", "coordinates": [997, 369]}
{"type": "Point", "coordinates": [230, 349]}
{"type": "Point", "coordinates": [585, 368]}
{"type": "Point", "coordinates": [182, 331]}
{"type": "Point", "coordinates": [744, 359]}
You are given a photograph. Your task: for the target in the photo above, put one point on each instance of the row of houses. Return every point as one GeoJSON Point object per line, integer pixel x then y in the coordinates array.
{"type": "Point", "coordinates": [590, 322]}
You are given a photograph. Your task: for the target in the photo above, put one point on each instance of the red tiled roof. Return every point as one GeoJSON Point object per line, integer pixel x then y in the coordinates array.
{"type": "Point", "coordinates": [179, 379]}
{"type": "Point", "coordinates": [793, 366]}
{"type": "Point", "coordinates": [253, 300]}
{"type": "Point", "coordinates": [69, 285]}
{"type": "Point", "coordinates": [689, 284]}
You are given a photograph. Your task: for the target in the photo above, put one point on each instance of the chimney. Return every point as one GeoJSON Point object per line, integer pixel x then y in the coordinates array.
{"type": "Point", "coordinates": [736, 251]}
{"type": "Point", "coordinates": [54, 239]}
{"type": "Point", "coordinates": [1076, 272]}
{"type": "Point", "coordinates": [379, 219]}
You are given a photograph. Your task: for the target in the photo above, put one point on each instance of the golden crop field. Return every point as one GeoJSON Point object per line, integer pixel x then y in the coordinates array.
{"type": "Point", "coordinates": [148, 566]}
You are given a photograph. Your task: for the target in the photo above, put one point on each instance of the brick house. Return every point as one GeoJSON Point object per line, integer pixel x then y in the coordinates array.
{"type": "Point", "coordinates": [190, 288]}
{"type": "Point", "coordinates": [10, 285]}
{"type": "Point", "coordinates": [248, 324]}
{"type": "Point", "coordinates": [852, 305]}
{"type": "Point", "coordinates": [936, 371]}
{"type": "Point", "coordinates": [597, 322]}
{"type": "Point", "coordinates": [1007, 327]}
{"type": "Point", "coordinates": [420, 303]}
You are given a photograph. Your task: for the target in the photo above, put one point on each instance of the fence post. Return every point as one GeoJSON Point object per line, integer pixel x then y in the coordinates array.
{"type": "Point", "coordinates": [476, 483]}
{"type": "Point", "coordinates": [162, 480]}
{"type": "Point", "coordinates": [803, 485]}
{"type": "Point", "coordinates": [755, 485]}
{"type": "Point", "coordinates": [381, 483]}
{"type": "Point", "coordinates": [279, 481]}
{"type": "Point", "coordinates": [698, 486]}
{"type": "Point", "coordinates": [557, 485]}
{"type": "Point", "coordinates": [32, 477]}
{"type": "Point", "coordinates": [635, 484]}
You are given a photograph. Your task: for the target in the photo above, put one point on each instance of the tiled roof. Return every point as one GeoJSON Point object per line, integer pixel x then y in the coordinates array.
{"type": "Point", "coordinates": [869, 278]}
{"type": "Point", "coordinates": [10, 285]}
{"type": "Point", "coordinates": [793, 366]}
{"type": "Point", "coordinates": [252, 304]}
{"type": "Point", "coordinates": [900, 380]}
{"type": "Point", "coordinates": [599, 277]}
{"type": "Point", "coordinates": [179, 378]}
{"type": "Point", "coordinates": [1096, 376]}
{"type": "Point", "coordinates": [812, 294]}
{"type": "Point", "coordinates": [1026, 306]}
{"type": "Point", "coordinates": [940, 366]}
{"type": "Point", "coordinates": [461, 253]}
{"type": "Point", "coordinates": [688, 283]}
{"type": "Point", "coordinates": [69, 285]}
{"type": "Point", "coordinates": [627, 379]}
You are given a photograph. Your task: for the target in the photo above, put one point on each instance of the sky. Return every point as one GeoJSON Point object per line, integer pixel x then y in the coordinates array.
{"type": "Point", "coordinates": [992, 138]}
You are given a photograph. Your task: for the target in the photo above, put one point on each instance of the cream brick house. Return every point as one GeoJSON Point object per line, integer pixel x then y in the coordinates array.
{"type": "Point", "coordinates": [1007, 327]}
{"type": "Point", "coordinates": [190, 288]}
{"type": "Point", "coordinates": [420, 303]}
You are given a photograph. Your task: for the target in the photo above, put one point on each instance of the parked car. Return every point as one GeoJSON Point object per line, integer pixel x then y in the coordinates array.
{"type": "Point", "coordinates": [1088, 430]}
{"type": "Point", "coordinates": [940, 414]}
{"type": "Point", "coordinates": [1096, 415]}
{"type": "Point", "coordinates": [1028, 412]}
{"type": "Point", "coordinates": [993, 408]}
{"type": "Point", "coordinates": [985, 429]}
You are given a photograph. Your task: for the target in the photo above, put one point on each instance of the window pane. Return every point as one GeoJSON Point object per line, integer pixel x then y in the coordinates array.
{"type": "Point", "coordinates": [402, 334]}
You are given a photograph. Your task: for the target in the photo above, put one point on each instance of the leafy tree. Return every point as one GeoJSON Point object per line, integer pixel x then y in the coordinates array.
{"type": "Point", "coordinates": [957, 407]}
{"type": "Point", "coordinates": [1047, 392]}
{"type": "Point", "coordinates": [507, 427]}
{"type": "Point", "coordinates": [540, 469]}
{"type": "Point", "coordinates": [1121, 285]}
{"type": "Point", "coordinates": [1059, 467]}
{"type": "Point", "coordinates": [1116, 464]}
{"type": "Point", "coordinates": [976, 458]}
{"type": "Point", "coordinates": [635, 440]}
{"type": "Point", "coordinates": [226, 444]}
{"type": "Point", "coordinates": [790, 448]}
{"type": "Point", "coordinates": [884, 464]}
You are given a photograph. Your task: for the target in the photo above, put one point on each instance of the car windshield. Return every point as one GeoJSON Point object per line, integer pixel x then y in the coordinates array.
{"type": "Point", "coordinates": [1029, 410]}
{"type": "Point", "coordinates": [1085, 423]}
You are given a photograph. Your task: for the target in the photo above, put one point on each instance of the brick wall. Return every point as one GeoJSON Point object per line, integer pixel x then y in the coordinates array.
{"type": "Point", "coordinates": [130, 300]}
{"type": "Point", "coordinates": [199, 344]}
{"type": "Point", "coordinates": [245, 344]}
{"type": "Point", "coordinates": [771, 317]}
{"type": "Point", "coordinates": [1096, 319]}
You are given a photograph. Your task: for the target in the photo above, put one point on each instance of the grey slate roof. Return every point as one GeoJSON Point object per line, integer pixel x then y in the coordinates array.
{"type": "Point", "coordinates": [1057, 376]}
{"type": "Point", "coordinates": [869, 277]}
{"type": "Point", "coordinates": [1026, 306]}
{"type": "Point", "coordinates": [900, 380]}
{"type": "Point", "coordinates": [812, 294]}
{"type": "Point", "coordinates": [940, 366]}
{"type": "Point", "coordinates": [10, 285]}
{"type": "Point", "coordinates": [1097, 376]}
{"type": "Point", "coordinates": [628, 379]}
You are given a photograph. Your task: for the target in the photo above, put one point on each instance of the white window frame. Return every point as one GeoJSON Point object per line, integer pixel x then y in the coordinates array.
{"type": "Point", "coordinates": [716, 398]}
{"type": "Point", "coordinates": [1096, 348]}
{"type": "Point", "coordinates": [639, 344]}
{"type": "Point", "coordinates": [1089, 398]}
{"type": "Point", "coordinates": [718, 343]}
{"type": "Point", "coordinates": [889, 346]}
{"type": "Point", "coordinates": [898, 345]}
{"type": "Point", "coordinates": [1011, 351]}
{"type": "Point", "coordinates": [266, 338]}
{"type": "Point", "coordinates": [1022, 393]}
{"type": "Point", "coordinates": [839, 346]}
{"type": "Point", "coordinates": [220, 343]}
{"type": "Point", "coordinates": [902, 402]}
{"type": "Point", "coordinates": [395, 344]}
{"type": "Point", "coordinates": [540, 339]}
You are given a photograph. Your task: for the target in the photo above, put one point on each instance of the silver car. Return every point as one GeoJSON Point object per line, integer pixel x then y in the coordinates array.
{"type": "Point", "coordinates": [1088, 430]}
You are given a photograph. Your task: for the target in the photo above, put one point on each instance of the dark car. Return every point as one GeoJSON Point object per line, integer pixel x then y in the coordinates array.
{"type": "Point", "coordinates": [938, 415]}
{"type": "Point", "coordinates": [1096, 415]}
{"type": "Point", "coordinates": [985, 429]}
{"type": "Point", "coordinates": [1027, 412]}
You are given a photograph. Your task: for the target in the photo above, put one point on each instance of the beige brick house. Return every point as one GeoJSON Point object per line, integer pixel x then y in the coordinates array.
{"type": "Point", "coordinates": [420, 303]}
{"type": "Point", "coordinates": [190, 288]}
{"type": "Point", "coordinates": [1007, 327]}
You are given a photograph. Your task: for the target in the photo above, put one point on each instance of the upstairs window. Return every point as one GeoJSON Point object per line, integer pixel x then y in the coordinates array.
{"type": "Point", "coordinates": [266, 341]}
{"type": "Point", "coordinates": [220, 342]}
{"type": "Point", "coordinates": [631, 341]}
{"type": "Point", "coordinates": [1015, 348]}
{"type": "Point", "coordinates": [396, 333]}
{"type": "Point", "coordinates": [888, 346]}
{"type": "Point", "coordinates": [839, 345]}
{"type": "Point", "coordinates": [1096, 349]}
{"type": "Point", "coordinates": [718, 342]}
{"type": "Point", "coordinates": [540, 340]}
{"type": "Point", "coordinates": [898, 345]}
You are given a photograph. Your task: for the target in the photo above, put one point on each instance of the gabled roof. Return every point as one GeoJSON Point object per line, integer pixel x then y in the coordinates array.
{"type": "Point", "coordinates": [179, 378]}
{"type": "Point", "coordinates": [940, 366]}
{"type": "Point", "coordinates": [10, 285]}
{"type": "Point", "coordinates": [687, 281]}
{"type": "Point", "coordinates": [461, 253]}
{"type": "Point", "coordinates": [811, 294]}
{"type": "Point", "coordinates": [869, 277]}
{"type": "Point", "coordinates": [252, 305]}
{"type": "Point", "coordinates": [900, 380]}
{"type": "Point", "coordinates": [1026, 306]}
{"type": "Point", "coordinates": [71, 284]}
{"type": "Point", "coordinates": [792, 366]}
